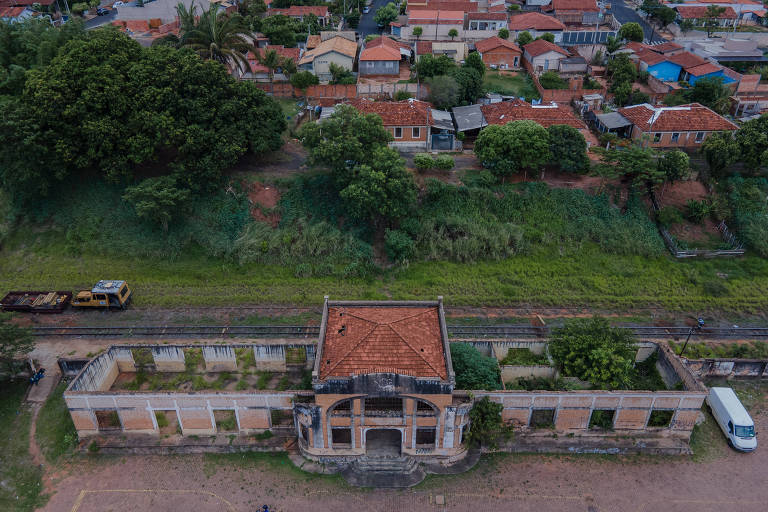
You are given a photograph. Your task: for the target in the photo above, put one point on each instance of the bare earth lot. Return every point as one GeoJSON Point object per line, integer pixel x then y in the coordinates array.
{"type": "Point", "coordinates": [718, 481]}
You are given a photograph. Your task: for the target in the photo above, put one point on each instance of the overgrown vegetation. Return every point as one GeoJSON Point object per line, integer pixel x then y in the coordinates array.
{"type": "Point", "coordinates": [486, 426]}
{"type": "Point", "coordinates": [701, 350]}
{"type": "Point", "coordinates": [474, 370]}
{"type": "Point", "coordinates": [523, 357]}
{"type": "Point", "coordinates": [21, 477]}
{"type": "Point", "coordinates": [55, 433]}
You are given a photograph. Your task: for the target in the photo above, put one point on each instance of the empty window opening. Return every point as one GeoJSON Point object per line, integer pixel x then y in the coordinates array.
{"type": "Point", "coordinates": [304, 434]}
{"type": "Point", "coordinates": [660, 418]}
{"type": "Point", "coordinates": [295, 355]}
{"type": "Point", "coordinates": [343, 408]}
{"type": "Point", "coordinates": [341, 437]}
{"type": "Point", "coordinates": [167, 422]}
{"type": "Point", "coordinates": [602, 418]}
{"type": "Point", "coordinates": [225, 421]}
{"type": "Point", "coordinates": [425, 437]}
{"type": "Point", "coordinates": [108, 420]}
{"type": "Point", "coordinates": [464, 432]}
{"type": "Point", "coordinates": [543, 418]}
{"type": "Point", "coordinates": [384, 406]}
{"type": "Point", "coordinates": [422, 406]}
{"type": "Point", "coordinates": [280, 417]}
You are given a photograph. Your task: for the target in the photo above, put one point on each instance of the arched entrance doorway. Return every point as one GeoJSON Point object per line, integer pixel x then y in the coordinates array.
{"type": "Point", "coordinates": [383, 442]}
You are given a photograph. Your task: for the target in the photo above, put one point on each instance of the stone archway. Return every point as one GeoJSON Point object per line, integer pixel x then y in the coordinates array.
{"type": "Point", "coordinates": [383, 442]}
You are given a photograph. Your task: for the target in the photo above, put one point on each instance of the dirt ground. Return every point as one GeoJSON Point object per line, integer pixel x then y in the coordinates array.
{"type": "Point", "coordinates": [263, 197]}
{"type": "Point", "coordinates": [726, 482]}
{"type": "Point", "coordinates": [286, 162]}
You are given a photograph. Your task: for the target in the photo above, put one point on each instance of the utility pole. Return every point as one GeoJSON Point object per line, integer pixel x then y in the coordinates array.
{"type": "Point", "coordinates": [696, 328]}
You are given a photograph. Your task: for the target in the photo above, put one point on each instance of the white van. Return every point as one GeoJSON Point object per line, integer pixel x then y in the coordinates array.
{"type": "Point", "coordinates": [733, 419]}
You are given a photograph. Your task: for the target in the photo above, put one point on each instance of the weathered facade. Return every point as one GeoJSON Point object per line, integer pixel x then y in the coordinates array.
{"type": "Point", "coordinates": [382, 381]}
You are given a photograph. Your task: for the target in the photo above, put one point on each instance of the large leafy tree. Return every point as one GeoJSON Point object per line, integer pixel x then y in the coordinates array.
{"type": "Point", "coordinates": [486, 426]}
{"type": "Point", "coordinates": [711, 92]}
{"type": "Point", "coordinates": [344, 141]}
{"type": "Point", "coordinates": [675, 165]}
{"type": "Point", "coordinates": [429, 65]}
{"type": "Point", "coordinates": [106, 105]}
{"type": "Point", "coordinates": [639, 164]}
{"type": "Point", "coordinates": [513, 147]}
{"type": "Point", "coordinates": [592, 350]}
{"type": "Point", "coordinates": [720, 151]}
{"type": "Point", "coordinates": [753, 142]}
{"type": "Point", "coordinates": [568, 148]}
{"type": "Point", "coordinates": [473, 369]}
{"type": "Point", "coordinates": [475, 61]}
{"type": "Point", "coordinates": [631, 32]}
{"type": "Point", "coordinates": [214, 35]}
{"type": "Point", "coordinates": [157, 199]}
{"type": "Point", "coordinates": [444, 91]}
{"type": "Point", "coordinates": [15, 343]}
{"type": "Point", "coordinates": [386, 15]}
{"type": "Point", "coordinates": [470, 84]}
{"type": "Point", "coordinates": [382, 190]}
{"type": "Point", "coordinates": [523, 38]}
{"type": "Point", "coordinates": [282, 30]}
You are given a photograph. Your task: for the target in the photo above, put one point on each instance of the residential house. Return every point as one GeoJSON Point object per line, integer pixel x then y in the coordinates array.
{"type": "Point", "coordinates": [573, 65]}
{"type": "Point", "coordinates": [337, 50]}
{"type": "Point", "coordinates": [577, 12]}
{"type": "Point", "coordinates": [680, 65]}
{"type": "Point", "coordinates": [698, 15]}
{"type": "Point", "coordinates": [414, 124]}
{"type": "Point", "coordinates": [260, 73]}
{"type": "Point", "coordinates": [312, 41]}
{"type": "Point", "coordinates": [435, 25]}
{"type": "Point", "coordinates": [751, 97]}
{"type": "Point", "coordinates": [382, 56]}
{"type": "Point", "coordinates": [498, 52]}
{"type": "Point", "coordinates": [298, 12]}
{"type": "Point", "coordinates": [536, 24]}
{"type": "Point", "coordinates": [543, 56]}
{"type": "Point", "coordinates": [457, 50]}
{"type": "Point", "coordinates": [493, 21]}
{"type": "Point", "coordinates": [729, 50]}
{"type": "Point", "coordinates": [536, 5]}
{"type": "Point", "coordinates": [667, 49]}
{"type": "Point", "coordinates": [15, 14]}
{"type": "Point", "coordinates": [686, 126]}
{"type": "Point", "coordinates": [546, 115]}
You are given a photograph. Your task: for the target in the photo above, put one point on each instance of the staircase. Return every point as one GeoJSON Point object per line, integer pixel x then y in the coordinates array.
{"type": "Point", "coordinates": [392, 471]}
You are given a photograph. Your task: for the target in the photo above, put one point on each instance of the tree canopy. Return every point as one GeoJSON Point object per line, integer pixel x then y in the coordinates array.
{"type": "Point", "coordinates": [631, 31]}
{"type": "Point", "coordinates": [15, 343]}
{"type": "Point", "coordinates": [568, 148]}
{"type": "Point", "coordinates": [523, 38]}
{"type": "Point", "coordinates": [105, 106]}
{"type": "Point", "coordinates": [720, 150]}
{"type": "Point", "coordinates": [214, 35]}
{"type": "Point", "coordinates": [592, 350]}
{"type": "Point", "coordinates": [474, 370]}
{"type": "Point", "coordinates": [513, 147]}
{"type": "Point", "coordinates": [386, 15]}
{"type": "Point", "coordinates": [486, 426]}
{"type": "Point", "coordinates": [752, 139]}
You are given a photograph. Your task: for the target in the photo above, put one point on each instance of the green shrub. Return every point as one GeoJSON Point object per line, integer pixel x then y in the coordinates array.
{"type": "Point", "coordinates": [444, 162]}
{"type": "Point", "coordinates": [602, 419]}
{"type": "Point", "coordinates": [402, 95]}
{"type": "Point", "coordinates": [660, 418]}
{"type": "Point", "coordinates": [523, 357]}
{"type": "Point", "coordinates": [399, 246]}
{"type": "Point", "coordinates": [669, 216]}
{"type": "Point", "coordinates": [474, 370]}
{"type": "Point", "coordinates": [551, 80]}
{"type": "Point", "coordinates": [697, 211]}
{"type": "Point", "coordinates": [423, 161]}
{"type": "Point", "coordinates": [486, 426]}
{"type": "Point", "coordinates": [162, 420]}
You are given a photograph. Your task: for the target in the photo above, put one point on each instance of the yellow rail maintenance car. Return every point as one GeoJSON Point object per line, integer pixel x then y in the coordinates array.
{"type": "Point", "coordinates": [105, 294]}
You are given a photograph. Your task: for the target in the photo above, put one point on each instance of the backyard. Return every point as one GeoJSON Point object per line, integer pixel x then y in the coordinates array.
{"type": "Point", "coordinates": [510, 83]}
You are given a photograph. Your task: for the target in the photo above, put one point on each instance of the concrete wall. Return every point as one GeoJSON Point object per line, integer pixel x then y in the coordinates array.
{"type": "Point", "coordinates": [512, 372]}
{"type": "Point", "coordinates": [729, 368]}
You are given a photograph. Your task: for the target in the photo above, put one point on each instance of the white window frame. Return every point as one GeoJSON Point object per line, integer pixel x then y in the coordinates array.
{"type": "Point", "coordinates": [416, 132]}
{"type": "Point", "coordinates": [656, 137]}
{"type": "Point", "coordinates": [700, 137]}
{"type": "Point", "coordinates": [675, 137]}
{"type": "Point", "coordinates": [395, 130]}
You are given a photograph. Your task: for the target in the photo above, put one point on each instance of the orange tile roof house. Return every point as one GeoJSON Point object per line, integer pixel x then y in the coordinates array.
{"type": "Point", "coordinates": [535, 23]}
{"type": "Point", "coordinates": [698, 13]}
{"type": "Point", "coordinates": [435, 24]}
{"type": "Point", "coordinates": [543, 56]}
{"type": "Point", "coordinates": [299, 11]}
{"type": "Point", "coordinates": [498, 52]}
{"type": "Point", "coordinates": [685, 126]}
{"type": "Point", "coordinates": [336, 50]}
{"type": "Point", "coordinates": [578, 12]}
{"type": "Point", "coordinates": [486, 20]}
{"type": "Point", "coordinates": [517, 110]}
{"type": "Point", "coordinates": [382, 56]}
{"type": "Point", "coordinates": [409, 121]}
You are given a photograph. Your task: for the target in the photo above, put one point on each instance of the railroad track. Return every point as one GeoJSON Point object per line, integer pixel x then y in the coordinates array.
{"type": "Point", "coordinates": [312, 331]}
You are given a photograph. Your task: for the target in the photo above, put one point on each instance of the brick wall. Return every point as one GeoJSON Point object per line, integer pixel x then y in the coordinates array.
{"type": "Point", "coordinates": [502, 57]}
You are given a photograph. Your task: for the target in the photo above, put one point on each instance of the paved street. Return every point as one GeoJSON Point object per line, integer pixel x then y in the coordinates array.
{"type": "Point", "coordinates": [367, 25]}
{"type": "Point", "coordinates": [625, 13]}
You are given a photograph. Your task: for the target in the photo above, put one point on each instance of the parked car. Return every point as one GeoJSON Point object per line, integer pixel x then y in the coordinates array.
{"type": "Point", "coordinates": [117, 4]}
{"type": "Point", "coordinates": [366, 9]}
{"type": "Point", "coordinates": [733, 418]}
{"type": "Point", "coordinates": [102, 11]}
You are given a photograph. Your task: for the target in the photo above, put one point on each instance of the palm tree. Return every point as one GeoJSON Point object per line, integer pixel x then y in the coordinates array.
{"type": "Point", "coordinates": [214, 36]}
{"type": "Point", "coordinates": [453, 33]}
{"type": "Point", "coordinates": [271, 60]}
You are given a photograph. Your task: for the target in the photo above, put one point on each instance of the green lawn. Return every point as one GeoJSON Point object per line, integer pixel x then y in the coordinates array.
{"type": "Point", "coordinates": [516, 85]}
{"type": "Point", "coordinates": [584, 277]}
{"type": "Point", "coordinates": [55, 433]}
{"type": "Point", "coordinates": [20, 479]}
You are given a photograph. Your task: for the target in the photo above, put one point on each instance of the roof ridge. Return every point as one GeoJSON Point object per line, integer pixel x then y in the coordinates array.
{"type": "Point", "coordinates": [406, 341]}
{"type": "Point", "coordinates": [360, 342]}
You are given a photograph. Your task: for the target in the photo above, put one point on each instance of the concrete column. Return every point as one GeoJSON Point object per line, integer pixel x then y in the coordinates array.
{"type": "Point", "coordinates": [168, 359]}
{"type": "Point", "coordinates": [219, 359]}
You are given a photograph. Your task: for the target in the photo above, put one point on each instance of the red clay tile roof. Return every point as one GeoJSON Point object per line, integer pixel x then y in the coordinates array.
{"type": "Point", "coordinates": [704, 69]}
{"type": "Point", "coordinates": [487, 16]}
{"type": "Point", "coordinates": [11, 12]}
{"type": "Point", "coordinates": [696, 12]}
{"type": "Point", "coordinates": [495, 42]}
{"type": "Point", "coordinates": [575, 5]}
{"type": "Point", "coordinates": [636, 47]}
{"type": "Point", "coordinates": [432, 17]}
{"type": "Point", "coordinates": [687, 60]}
{"type": "Point", "coordinates": [396, 113]}
{"type": "Point", "coordinates": [287, 53]}
{"type": "Point", "coordinates": [517, 110]}
{"type": "Point", "coordinates": [423, 47]}
{"type": "Point", "coordinates": [320, 11]}
{"type": "Point", "coordinates": [650, 57]}
{"type": "Point", "coordinates": [685, 118]}
{"type": "Point", "coordinates": [541, 46]}
{"type": "Point", "coordinates": [383, 339]}
{"type": "Point", "coordinates": [534, 21]}
{"type": "Point", "coordinates": [669, 46]}
{"type": "Point", "coordinates": [381, 48]}
{"type": "Point", "coordinates": [452, 5]}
